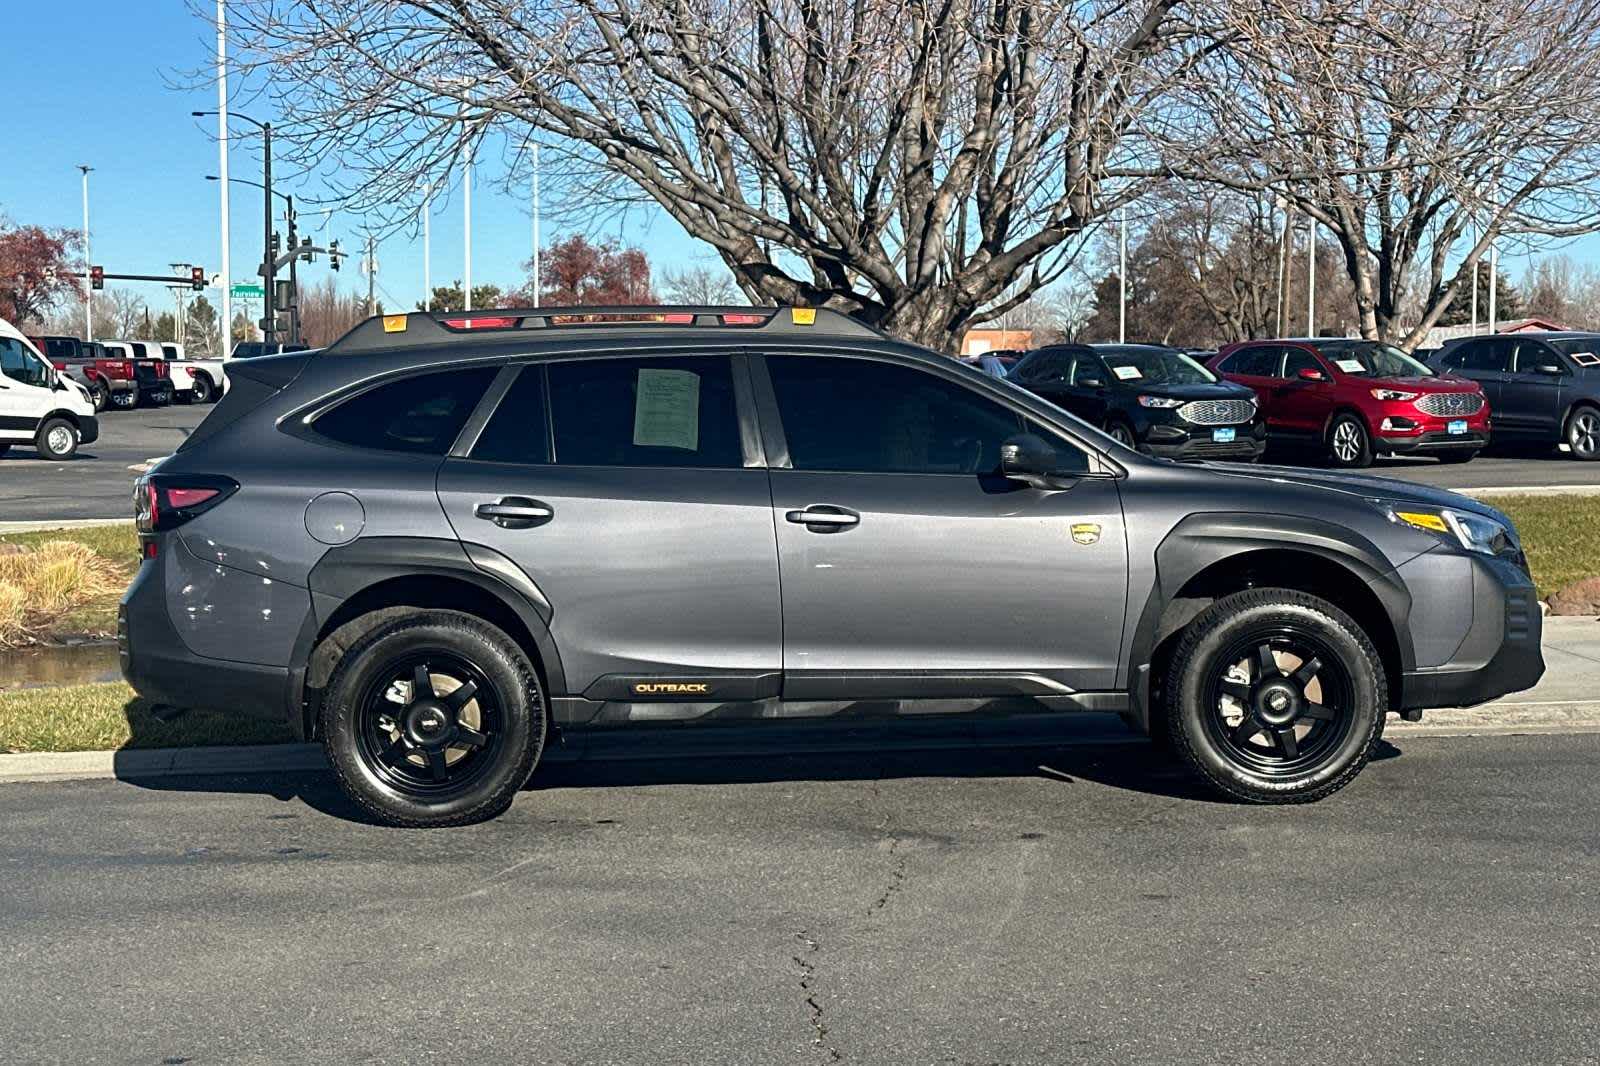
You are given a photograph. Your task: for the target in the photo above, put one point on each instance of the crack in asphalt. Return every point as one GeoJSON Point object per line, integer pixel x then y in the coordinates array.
{"type": "Point", "coordinates": [808, 977]}
{"type": "Point", "coordinates": [897, 877]}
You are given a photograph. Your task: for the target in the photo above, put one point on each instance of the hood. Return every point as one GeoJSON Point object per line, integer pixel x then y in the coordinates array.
{"type": "Point", "coordinates": [1360, 485]}
{"type": "Point", "coordinates": [1220, 390]}
{"type": "Point", "coordinates": [1441, 383]}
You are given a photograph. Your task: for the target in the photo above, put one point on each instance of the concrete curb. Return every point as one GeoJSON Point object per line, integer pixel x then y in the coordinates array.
{"type": "Point", "coordinates": [61, 523]}
{"type": "Point", "coordinates": [1531, 490]}
{"type": "Point", "coordinates": [161, 762]}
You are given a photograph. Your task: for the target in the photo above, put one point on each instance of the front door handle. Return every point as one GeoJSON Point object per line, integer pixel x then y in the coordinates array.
{"type": "Point", "coordinates": [824, 518]}
{"type": "Point", "coordinates": [515, 512]}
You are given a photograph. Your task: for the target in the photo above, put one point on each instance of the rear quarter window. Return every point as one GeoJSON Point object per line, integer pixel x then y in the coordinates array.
{"type": "Point", "coordinates": [421, 414]}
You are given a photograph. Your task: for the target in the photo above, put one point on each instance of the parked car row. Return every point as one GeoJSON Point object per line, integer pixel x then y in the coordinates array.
{"type": "Point", "coordinates": [127, 373]}
{"type": "Point", "coordinates": [39, 405]}
{"type": "Point", "coordinates": [1350, 399]}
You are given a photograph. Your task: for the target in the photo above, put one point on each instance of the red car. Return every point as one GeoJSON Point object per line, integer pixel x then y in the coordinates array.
{"type": "Point", "coordinates": [1356, 399]}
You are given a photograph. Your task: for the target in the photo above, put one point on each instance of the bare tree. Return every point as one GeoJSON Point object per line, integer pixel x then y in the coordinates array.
{"type": "Point", "coordinates": [700, 286]}
{"type": "Point", "coordinates": [1415, 134]}
{"type": "Point", "coordinates": [121, 313]}
{"type": "Point", "coordinates": [1558, 289]}
{"type": "Point", "coordinates": [922, 164]}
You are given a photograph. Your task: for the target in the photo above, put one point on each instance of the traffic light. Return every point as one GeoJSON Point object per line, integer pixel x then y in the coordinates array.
{"type": "Point", "coordinates": [333, 253]}
{"type": "Point", "coordinates": [97, 277]}
{"type": "Point", "coordinates": [277, 244]}
{"type": "Point", "coordinates": [197, 278]}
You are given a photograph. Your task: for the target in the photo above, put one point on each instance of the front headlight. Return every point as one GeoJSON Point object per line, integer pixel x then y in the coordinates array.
{"type": "Point", "coordinates": [1474, 532]}
{"type": "Point", "coordinates": [1160, 401]}
{"type": "Point", "coordinates": [1393, 394]}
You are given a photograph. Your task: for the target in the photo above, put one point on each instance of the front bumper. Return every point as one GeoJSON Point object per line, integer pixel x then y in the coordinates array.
{"type": "Point", "coordinates": [88, 429]}
{"type": "Point", "coordinates": [1428, 443]}
{"type": "Point", "coordinates": [1500, 652]}
{"type": "Point", "coordinates": [161, 668]}
{"type": "Point", "coordinates": [1183, 440]}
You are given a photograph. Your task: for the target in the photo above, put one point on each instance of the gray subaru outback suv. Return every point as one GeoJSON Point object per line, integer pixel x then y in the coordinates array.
{"type": "Point", "coordinates": [445, 537]}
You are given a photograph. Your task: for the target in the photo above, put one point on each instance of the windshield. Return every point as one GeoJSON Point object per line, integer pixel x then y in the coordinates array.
{"type": "Point", "coordinates": [1154, 366]}
{"type": "Point", "coordinates": [1585, 351]}
{"type": "Point", "coordinates": [1374, 360]}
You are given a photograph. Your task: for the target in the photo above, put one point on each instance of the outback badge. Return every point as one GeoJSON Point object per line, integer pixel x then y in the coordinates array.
{"type": "Point", "coordinates": [1086, 532]}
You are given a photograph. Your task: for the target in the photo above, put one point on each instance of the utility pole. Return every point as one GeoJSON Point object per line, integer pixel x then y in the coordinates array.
{"type": "Point", "coordinates": [1283, 267]}
{"type": "Point", "coordinates": [88, 300]}
{"type": "Point", "coordinates": [294, 285]}
{"type": "Point", "coordinates": [372, 277]}
{"type": "Point", "coordinates": [222, 164]}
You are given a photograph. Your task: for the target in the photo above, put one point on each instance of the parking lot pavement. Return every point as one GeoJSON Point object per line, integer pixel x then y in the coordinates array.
{"type": "Point", "coordinates": [1076, 905]}
{"type": "Point", "coordinates": [1522, 469]}
{"type": "Point", "coordinates": [98, 483]}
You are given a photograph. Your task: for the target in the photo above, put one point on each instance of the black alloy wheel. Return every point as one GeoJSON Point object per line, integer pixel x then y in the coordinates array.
{"type": "Point", "coordinates": [436, 718]}
{"type": "Point", "coordinates": [1275, 696]}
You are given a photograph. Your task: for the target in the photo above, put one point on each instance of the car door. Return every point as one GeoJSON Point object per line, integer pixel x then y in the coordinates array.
{"type": "Point", "coordinates": [1533, 389]}
{"type": "Point", "coordinates": [1486, 361]}
{"type": "Point", "coordinates": [1302, 405]}
{"type": "Point", "coordinates": [24, 391]}
{"type": "Point", "coordinates": [1047, 373]}
{"type": "Point", "coordinates": [631, 491]}
{"type": "Point", "coordinates": [1258, 366]}
{"type": "Point", "coordinates": [910, 568]}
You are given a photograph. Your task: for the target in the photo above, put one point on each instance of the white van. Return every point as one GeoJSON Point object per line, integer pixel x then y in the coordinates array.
{"type": "Point", "coordinates": [39, 405]}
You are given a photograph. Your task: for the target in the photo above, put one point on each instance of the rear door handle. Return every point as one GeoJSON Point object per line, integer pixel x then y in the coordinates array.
{"type": "Point", "coordinates": [824, 518]}
{"type": "Point", "coordinates": [515, 512]}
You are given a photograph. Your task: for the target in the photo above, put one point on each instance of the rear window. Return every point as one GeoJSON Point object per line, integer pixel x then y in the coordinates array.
{"type": "Point", "coordinates": [645, 412]}
{"type": "Point", "coordinates": [421, 414]}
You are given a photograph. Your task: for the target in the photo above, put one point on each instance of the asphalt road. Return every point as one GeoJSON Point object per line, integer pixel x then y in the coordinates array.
{"type": "Point", "coordinates": [98, 483]}
{"type": "Point", "coordinates": [1071, 905]}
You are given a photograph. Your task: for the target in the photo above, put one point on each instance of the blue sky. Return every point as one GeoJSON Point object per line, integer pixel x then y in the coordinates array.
{"type": "Point", "coordinates": [113, 107]}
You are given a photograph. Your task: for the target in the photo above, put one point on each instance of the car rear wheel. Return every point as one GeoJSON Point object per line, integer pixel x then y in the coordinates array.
{"type": "Point", "coordinates": [1275, 696]}
{"type": "Point", "coordinates": [126, 400]}
{"type": "Point", "coordinates": [1348, 442]}
{"type": "Point", "coordinates": [202, 391]}
{"type": "Point", "coordinates": [434, 719]}
{"type": "Point", "coordinates": [1583, 433]}
{"type": "Point", "coordinates": [57, 439]}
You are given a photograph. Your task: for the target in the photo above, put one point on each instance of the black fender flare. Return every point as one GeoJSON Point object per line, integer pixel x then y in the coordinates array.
{"type": "Point", "coordinates": [346, 571]}
{"type": "Point", "coordinates": [1202, 540]}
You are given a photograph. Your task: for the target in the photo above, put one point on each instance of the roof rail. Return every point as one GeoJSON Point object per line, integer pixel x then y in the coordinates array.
{"type": "Point", "coordinates": [418, 328]}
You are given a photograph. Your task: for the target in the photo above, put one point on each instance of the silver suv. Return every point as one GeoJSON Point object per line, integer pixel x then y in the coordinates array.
{"type": "Point", "coordinates": [446, 536]}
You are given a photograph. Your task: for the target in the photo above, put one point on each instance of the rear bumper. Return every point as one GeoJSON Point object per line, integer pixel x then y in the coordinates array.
{"type": "Point", "coordinates": [161, 668]}
{"type": "Point", "coordinates": [1501, 652]}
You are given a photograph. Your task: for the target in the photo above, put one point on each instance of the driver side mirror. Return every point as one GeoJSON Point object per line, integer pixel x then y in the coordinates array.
{"type": "Point", "coordinates": [1091, 383]}
{"type": "Point", "coordinates": [1549, 370]}
{"type": "Point", "coordinates": [1311, 373]}
{"type": "Point", "coordinates": [1028, 458]}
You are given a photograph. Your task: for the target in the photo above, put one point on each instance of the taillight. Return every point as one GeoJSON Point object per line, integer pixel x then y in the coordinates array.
{"type": "Point", "coordinates": [162, 502]}
{"type": "Point", "coordinates": [125, 368]}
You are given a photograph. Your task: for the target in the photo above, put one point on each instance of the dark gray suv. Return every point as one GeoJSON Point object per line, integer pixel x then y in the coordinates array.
{"type": "Point", "coordinates": [445, 537]}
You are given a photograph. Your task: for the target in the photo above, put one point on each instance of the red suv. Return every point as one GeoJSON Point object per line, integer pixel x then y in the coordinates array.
{"type": "Point", "coordinates": [1358, 398]}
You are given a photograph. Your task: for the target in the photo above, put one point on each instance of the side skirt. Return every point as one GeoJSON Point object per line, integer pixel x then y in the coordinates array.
{"type": "Point", "coordinates": [577, 712]}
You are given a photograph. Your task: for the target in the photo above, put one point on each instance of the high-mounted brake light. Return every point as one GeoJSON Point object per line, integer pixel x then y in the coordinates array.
{"type": "Point", "coordinates": [742, 319]}
{"type": "Point", "coordinates": [479, 322]}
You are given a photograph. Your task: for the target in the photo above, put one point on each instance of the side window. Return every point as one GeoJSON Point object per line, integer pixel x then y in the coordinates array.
{"type": "Point", "coordinates": [169, 351]}
{"type": "Point", "coordinates": [139, 350]}
{"type": "Point", "coordinates": [864, 416]}
{"type": "Point", "coordinates": [1298, 359]}
{"type": "Point", "coordinates": [1046, 367]}
{"type": "Point", "coordinates": [19, 364]}
{"type": "Point", "coordinates": [1088, 369]}
{"type": "Point", "coordinates": [645, 412]}
{"type": "Point", "coordinates": [1260, 361]}
{"type": "Point", "coordinates": [1485, 355]}
{"type": "Point", "coordinates": [423, 413]}
{"type": "Point", "coordinates": [518, 431]}
{"type": "Point", "coordinates": [1530, 354]}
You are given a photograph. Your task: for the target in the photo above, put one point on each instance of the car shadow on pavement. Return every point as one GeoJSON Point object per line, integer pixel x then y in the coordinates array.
{"type": "Point", "coordinates": [1068, 752]}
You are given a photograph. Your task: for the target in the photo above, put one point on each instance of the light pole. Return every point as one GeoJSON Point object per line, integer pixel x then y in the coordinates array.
{"type": "Point", "coordinates": [1122, 279]}
{"type": "Point", "coordinates": [537, 286]}
{"type": "Point", "coordinates": [88, 260]}
{"type": "Point", "coordinates": [271, 264]}
{"type": "Point", "coordinates": [1311, 276]}
{"type": "Point", "coordinates": [222, 167]}
{"type": "Point", "coordinates": [427, 247]}
{"type": "Point", "coordinates": [466, 200]}
{"type": "Point", "coordinates": [269, 328]}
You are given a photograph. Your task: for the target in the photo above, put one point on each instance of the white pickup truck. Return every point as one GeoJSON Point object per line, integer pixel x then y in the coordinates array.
{"type": "Point", "coordinates": [204, 384]}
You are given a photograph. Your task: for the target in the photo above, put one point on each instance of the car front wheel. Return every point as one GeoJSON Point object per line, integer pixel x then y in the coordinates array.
{"type": "Point", "coordinates": [1275, 696]}
{"type": "Point", "coordinates": [1348, 442]}
{"type": "Point", "coordinates": [101, 397]}
{"type": "Point", "coordinates": [434, 719]}
{"type": "Point", "coordinates": [57, 439]}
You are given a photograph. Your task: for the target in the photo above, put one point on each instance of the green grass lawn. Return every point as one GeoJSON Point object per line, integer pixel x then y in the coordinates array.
{"type": "Point", "coordinates": [1561, 535]}
{"type": "Point", "coordinates": [110, 716]}
{"type": "Point", "coordinates": [118, 545]}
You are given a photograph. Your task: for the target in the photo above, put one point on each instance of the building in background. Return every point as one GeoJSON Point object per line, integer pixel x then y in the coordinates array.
{"type": "Point", "coordinates": [979, 341]}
